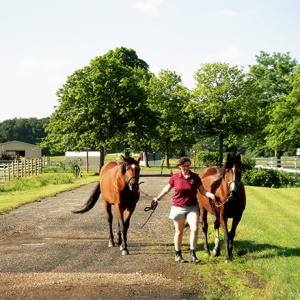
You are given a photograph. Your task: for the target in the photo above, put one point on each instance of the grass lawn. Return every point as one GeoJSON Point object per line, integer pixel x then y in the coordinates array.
{"type": "Point", "coordinates": [32, 189]}
{"type": "Point", "coordinates": [266, 263]}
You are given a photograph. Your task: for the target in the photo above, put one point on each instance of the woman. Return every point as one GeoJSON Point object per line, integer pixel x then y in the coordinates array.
{"type": "Point", "coordinates": [185, 206]}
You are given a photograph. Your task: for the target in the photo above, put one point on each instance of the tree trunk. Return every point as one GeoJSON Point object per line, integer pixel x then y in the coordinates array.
{"type": "Point", "coordinates": [167, 153]}
{"type": "Point", "coordinates": [221, 140]}
{"type": "Point", "coordinates": [278, 160]}
{"type": "Point", "coordinates": [127, 152]}
{"type": "Point", "coordinates": [102, 156]}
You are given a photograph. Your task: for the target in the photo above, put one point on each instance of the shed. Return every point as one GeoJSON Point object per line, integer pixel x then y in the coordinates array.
{"type": "Point", "coordinates": [21, 149]}
{"type": "Point", "coordinates": [92, 158]}
{"type": "Point", "coordinates": [154, 159]}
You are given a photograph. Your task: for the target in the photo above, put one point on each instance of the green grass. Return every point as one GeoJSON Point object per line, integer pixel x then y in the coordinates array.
{"type": "Point", "coordinates": [27, 190]}
{"type": "Point", "coordinates": [266, 263]}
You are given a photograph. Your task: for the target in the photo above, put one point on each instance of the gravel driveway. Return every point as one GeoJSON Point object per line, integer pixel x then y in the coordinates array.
{"type": "Point", "coordinates": [47, 252]}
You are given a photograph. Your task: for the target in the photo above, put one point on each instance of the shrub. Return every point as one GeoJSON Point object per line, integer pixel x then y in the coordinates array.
{"type": "Point", "coordinates": [208, 159]}
{"type": "Point", "coordinates": [270, 178]}
{"type": "Point", "coordinates": [247, 163]}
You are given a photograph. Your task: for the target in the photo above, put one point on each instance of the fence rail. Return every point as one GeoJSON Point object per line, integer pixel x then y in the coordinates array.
{"type": "Point", "coordinates": [290, 162]}
{"type": "Point", "coordinates": [20, 168]}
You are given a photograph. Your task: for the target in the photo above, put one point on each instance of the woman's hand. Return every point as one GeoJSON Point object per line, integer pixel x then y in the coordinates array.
{"type": "Point", "coordinates": [210, 195]}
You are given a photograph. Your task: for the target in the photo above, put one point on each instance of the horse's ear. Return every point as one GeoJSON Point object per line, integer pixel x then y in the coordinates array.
{"type": "Point", "coordinates": [228, 156]}
{"type": "Point", "coordinates": [139, 158]}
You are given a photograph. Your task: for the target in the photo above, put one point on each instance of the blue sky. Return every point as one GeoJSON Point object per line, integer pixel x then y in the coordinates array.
{"type": "Point", "coordinates": [42, 42]}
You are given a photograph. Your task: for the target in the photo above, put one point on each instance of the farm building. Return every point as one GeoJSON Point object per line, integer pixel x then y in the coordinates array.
{"type": "Point", "coordinates": [21, 149]}
{"type": "Point", "coordinates": [84, 158]}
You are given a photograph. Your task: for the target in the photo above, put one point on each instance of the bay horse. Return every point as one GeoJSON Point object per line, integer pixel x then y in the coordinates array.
{"type": "Point", "coordinates": [119, 186]}
{"type": "Point", "coordinates": [230, 202]}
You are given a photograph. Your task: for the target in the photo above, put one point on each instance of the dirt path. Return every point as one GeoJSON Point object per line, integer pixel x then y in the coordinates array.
{"type": "Point", "coordinates": [49, 253]}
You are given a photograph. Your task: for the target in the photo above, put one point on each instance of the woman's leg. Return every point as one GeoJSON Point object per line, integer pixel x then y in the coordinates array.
{"type": "Point", "coordinates": [193, 220]}
{"type": "Point", "coordinates": [179, 227]}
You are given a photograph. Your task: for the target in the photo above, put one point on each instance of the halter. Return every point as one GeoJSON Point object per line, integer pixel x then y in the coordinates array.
{"type": "Point", "coordinates": [135, 186]}
{"type": "Point", "coordinates": [237, 183]}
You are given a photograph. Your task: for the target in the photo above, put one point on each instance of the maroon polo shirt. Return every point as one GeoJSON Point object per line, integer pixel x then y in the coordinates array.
{"type": "Point", "coordinates": [185, 189]}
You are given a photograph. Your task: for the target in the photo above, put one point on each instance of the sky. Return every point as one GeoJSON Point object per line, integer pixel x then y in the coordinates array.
{"type": "Point", "coordinates": [42, 42]}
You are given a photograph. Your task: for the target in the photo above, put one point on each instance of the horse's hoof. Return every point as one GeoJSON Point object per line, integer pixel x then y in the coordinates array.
{"type": "Point", "coordinates": [227, 261]}
{"type": "Point", "coordinates": [111, 244]}
{"type": "Point", "coordinates": [125, 252]}
{"type": "Point", "coordinates": [207, 254]}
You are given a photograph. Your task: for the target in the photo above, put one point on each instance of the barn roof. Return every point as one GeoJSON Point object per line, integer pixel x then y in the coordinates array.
{"type": "Point", "coordinates": [19, 142]}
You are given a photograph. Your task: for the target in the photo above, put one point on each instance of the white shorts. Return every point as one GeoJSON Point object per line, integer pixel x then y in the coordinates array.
{"type": "Point", "coordinates": [180, 212]}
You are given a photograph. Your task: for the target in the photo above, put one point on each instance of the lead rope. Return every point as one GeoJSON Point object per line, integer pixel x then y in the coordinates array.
{"type": "Point", "coordinates": [152, 207]}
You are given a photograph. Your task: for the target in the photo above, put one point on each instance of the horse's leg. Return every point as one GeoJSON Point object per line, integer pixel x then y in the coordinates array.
{"type": "Point", "coordinates": [119, 239]}
{"type": "Point", "coordinates": [216, 250]}
{"type": "Point", "coordinates": [128, 215]}
{"type": "Point", "coordinates": [109, 216]}
{"type": "Point", "coordinates": [235, 222]}
{"type": "Point", "coordinates": [223, 221]}
{"type": "Point", "coordinates": [122, 230]}
{"type": "Point", "coordinates": [203, 218]}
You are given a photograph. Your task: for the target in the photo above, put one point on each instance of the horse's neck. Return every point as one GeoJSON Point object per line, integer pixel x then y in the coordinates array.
{"type": "Point", "coordinates": [211, 172]}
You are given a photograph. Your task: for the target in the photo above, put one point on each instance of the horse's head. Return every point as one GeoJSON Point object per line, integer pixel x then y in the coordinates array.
{"type": "Point", "coordinates": [132, 171]}
{"type": "Point", "coordinates": [233, 174]}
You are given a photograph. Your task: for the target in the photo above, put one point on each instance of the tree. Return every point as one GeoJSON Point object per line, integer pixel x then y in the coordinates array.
{"type": "Point", "coordinates": [220, 104]}
{"type": "Point", "coordinates": [100, 106]}
{"type": "Point", "coordinates": [271, 82]}
{"type": "Point", "coordinates": [284, 125]}
{"type": "Point", "coordinates": [28, 130]}
{"type": "Point", "coordinates": [169, 99]}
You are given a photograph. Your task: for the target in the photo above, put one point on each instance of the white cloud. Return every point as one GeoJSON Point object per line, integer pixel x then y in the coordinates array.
{"type": "Point", "coordinates": [226, 13]}
{"type": "Point", "coordinates": [148, 7]}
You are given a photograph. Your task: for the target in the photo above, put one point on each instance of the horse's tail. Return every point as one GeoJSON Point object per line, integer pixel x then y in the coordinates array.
{"type": "Point", "coordinates": [91, 202]}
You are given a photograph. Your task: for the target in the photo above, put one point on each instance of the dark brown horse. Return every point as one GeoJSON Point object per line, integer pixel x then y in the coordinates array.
{"type": "Point", "coordinates": [119, 185]}
{"type": "Point", "coordinates": [230, 202]}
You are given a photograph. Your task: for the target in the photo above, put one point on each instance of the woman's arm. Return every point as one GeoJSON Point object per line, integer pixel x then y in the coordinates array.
{"type": "Point", "coordinates": [205, 193]}
{"type": "Point", "coordinates": [164, 191]}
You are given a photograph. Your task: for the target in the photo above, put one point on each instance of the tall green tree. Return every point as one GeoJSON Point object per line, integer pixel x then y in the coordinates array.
{"type": "Point", "coordinates": [100, 106]}
{"type": "Point", "coordinates": [271, 78]}
{"type": "Point", "coordinates": [220, 104]}
{"type": "Point", "coordinates": [169, 99]}
{"type": "Point", "coordinates": [284, 126]}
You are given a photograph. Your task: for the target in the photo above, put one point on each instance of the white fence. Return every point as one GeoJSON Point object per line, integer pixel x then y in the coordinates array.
{"type": "Point", "coordinates": [291, 163]}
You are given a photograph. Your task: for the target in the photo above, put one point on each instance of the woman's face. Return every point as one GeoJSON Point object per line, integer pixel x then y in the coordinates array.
{"type": "Point", "coordinates": [185, 167]}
